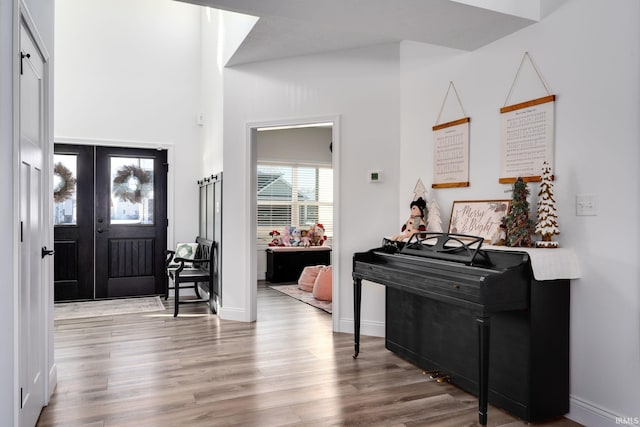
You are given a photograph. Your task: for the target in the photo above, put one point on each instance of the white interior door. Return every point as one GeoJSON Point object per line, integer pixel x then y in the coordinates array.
{"type": "Point", "coordinates": [32, 326]}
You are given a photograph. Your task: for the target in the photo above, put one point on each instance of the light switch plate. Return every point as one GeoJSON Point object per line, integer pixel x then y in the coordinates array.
{"type": "Point", "coordinates": [586, 205]}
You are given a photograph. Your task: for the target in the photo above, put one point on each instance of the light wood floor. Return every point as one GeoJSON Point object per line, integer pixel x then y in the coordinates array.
{"type": "Point", "coordinates": [288, 368]}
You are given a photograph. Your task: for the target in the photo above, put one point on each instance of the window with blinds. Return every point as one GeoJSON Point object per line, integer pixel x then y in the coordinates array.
{"type": "Point", "coordinates": [293, 195]}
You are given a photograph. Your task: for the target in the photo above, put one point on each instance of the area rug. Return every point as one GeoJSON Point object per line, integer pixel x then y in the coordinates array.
{"type": "Point", "coordinates": [306, 297]}
{"type": "Point", "coordinates": [77, 310]}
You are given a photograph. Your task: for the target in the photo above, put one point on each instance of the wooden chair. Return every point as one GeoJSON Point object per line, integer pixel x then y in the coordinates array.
{"type": "Point", "coordinates": [196, 271]}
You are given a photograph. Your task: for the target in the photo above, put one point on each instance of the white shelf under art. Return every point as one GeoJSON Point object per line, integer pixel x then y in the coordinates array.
{"type": "Point", "coordinates": [547, 222]}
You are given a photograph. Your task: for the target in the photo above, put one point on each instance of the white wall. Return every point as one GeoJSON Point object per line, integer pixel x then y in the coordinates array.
{"type": "Point", "coordinates": [221, 34]}
{"type": "Point", "coordinates": [310, 145]}
{"type": "Point", "coordinates": [593, 70]}
{"type": "Point", "coordinates": [211, 91]}
{"type": "Point", "coordinates": [129, 71]}
{"type": "Point", "coordinates": [234, 28]}
{"type": "Point", "coordinates": [361, 86]}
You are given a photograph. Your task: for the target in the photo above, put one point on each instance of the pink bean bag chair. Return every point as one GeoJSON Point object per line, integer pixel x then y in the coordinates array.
{"type": "Point", "coordinates": [322, 286]}
{"type": "Point", "coordinates": [308, 277]}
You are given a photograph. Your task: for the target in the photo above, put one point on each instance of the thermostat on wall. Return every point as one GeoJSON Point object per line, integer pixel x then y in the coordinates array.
{"type": "Point", "coordinates": [375, 176]}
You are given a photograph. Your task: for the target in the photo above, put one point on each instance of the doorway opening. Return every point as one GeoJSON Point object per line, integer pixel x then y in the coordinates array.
{"type": "Point", "coordinates": [110, 222]}
{"type": "Point", "coordinates": [293, 162]}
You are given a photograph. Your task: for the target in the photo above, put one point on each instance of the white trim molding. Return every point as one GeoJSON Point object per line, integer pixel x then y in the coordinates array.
{"type": "Point", "coordinates": [251, 138]}
{"type": "Point", "coordinates": [591, 415]}
{"type": "Point", "coordinates": [113, 142]}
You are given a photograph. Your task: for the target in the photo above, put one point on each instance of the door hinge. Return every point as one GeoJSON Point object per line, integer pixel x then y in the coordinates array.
{"type": "Point", "coordinates": [21, 397]}
{"type": "Point", "coordinates": [21, 227]}
{"type": "Point", "coordinates": [167, 222]}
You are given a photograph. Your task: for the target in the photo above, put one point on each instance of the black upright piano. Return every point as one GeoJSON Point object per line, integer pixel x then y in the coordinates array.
{"type": "Point", "coordinates": [477, 316]}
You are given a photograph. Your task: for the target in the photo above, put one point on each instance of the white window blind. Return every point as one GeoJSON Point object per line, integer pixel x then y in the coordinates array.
{"type": "Point", "coordinates": [293, 195]}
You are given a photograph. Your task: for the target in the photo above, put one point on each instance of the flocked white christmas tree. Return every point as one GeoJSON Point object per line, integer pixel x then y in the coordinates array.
{"type": "Point", "coordinates": [421, 191]}
{"type": "Point", "coordinates": [434, 221]}
{"type": "Point", "coordinates": [547, 222]}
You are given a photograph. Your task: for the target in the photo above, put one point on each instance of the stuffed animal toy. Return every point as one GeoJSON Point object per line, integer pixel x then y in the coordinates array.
{"type": "Point", "coordinates": [296, 234]}
{"type": "Point", "coordinates": [276, 241]}
{"type": "Point", "coordinates": [499, 238]}
{"type": "Point", "coordinates": [305, 238]}
{"type": "Point", "coordinates": [318, 237]}
{"type": "Point", "coordinates": [285, 237]}
{"type": "Point", "coordinates": [416, 221]}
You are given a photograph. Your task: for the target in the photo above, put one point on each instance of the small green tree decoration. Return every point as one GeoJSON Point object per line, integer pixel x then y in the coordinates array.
{"type": "Point", "coordinates": [519, 226]}
{"type": "Point", "coordinates": [547, 221]}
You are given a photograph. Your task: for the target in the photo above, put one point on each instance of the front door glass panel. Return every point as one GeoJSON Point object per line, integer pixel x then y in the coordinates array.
{"type": "Point", "coordinates": [132, 195]}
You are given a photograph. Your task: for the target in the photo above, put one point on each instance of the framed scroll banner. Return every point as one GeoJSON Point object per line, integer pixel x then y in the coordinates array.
{"type": "Point", "coordinates": [451, 154]}
{"type": "Point", "coordinates": [527, 139]}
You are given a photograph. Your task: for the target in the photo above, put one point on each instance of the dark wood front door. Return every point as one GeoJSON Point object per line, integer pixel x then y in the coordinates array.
{"type": "Point", "coordinates": [131, 221]}
{"type": "Point", "coordinates": [121, 251]}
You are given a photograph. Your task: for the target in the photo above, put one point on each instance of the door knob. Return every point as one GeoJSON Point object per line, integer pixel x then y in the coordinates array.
{"type": "Point", "coordinates": [46, 252]}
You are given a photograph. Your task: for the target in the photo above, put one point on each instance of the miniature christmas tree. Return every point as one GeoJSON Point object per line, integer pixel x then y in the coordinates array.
{"type": "Point", "coordinates": [434, 221]}
{"type": "Point", "coordinates": [547, 222]}
{"type": "Point", "coordinates": [421, 191]}
{"type": "Point", "coordinates": [519, 226]}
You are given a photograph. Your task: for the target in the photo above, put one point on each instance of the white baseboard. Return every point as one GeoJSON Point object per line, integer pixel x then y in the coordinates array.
{"type": "Point", "coordinates": [236, 314]}
{"type": "Point", "coordinates": [53, 381]}
{"type": "Point", "coordinates": [591, 415]}
{"type": "Point", "coordinates": [374, 329]}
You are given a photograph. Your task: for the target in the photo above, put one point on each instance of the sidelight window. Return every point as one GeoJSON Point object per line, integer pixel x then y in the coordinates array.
{"type": "Point", "coordinates": [65, 175]}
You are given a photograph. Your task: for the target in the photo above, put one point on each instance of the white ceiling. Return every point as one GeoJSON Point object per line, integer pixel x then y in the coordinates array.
{"type": "Point", "coordinates": [299, 27]}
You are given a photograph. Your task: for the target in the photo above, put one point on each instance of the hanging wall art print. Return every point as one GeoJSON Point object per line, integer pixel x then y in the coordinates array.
{"type": "Point", "coordinates": [451, 149]}
{"type": "Point", "coordinates": [527, 133]}
{"type": "Point", "coordinates": [527, 139]}
{"type": "Point", "coordinates": [451, 154]}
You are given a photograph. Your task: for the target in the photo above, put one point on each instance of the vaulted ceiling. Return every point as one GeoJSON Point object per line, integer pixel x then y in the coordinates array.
{"type": "Point", "coordinates": [298, 27]}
